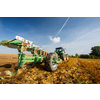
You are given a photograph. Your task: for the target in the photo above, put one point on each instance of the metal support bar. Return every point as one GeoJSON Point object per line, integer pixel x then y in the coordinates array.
{"type": "Point", "coordinates": [60, 61]}
{"type": "Point", "coordinates": [22, 59]}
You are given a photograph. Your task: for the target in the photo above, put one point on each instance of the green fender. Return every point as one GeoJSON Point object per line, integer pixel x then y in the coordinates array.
{"type": "Point", "coordinates": [62, 52]}
{"type": "Point", "coordinates": [55, 52]}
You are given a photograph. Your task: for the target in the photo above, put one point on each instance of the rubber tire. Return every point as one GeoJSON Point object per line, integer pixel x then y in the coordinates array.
{"type": "Point", "coordinates": [63, 56]}
{"type": "Point", "coordinates": [67, 57]}
{"type": "Point", "coordinates": [19, 50]}
{"type": "Point", "coordinates": [16, 68]}
{"type": "Point", "coordinates": [48, 62]}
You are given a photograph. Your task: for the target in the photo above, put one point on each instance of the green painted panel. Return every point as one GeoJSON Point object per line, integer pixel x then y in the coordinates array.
{"type": "Point", "coordinates": [15, 41]}
{"type": "Point", "coordinates": [62, 52]}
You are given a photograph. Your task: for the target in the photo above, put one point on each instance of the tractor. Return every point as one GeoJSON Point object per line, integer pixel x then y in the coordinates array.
{"type": "Point", "coordinates": [51, 60]}
{"type": "Point", "coordinates": [61, 53]}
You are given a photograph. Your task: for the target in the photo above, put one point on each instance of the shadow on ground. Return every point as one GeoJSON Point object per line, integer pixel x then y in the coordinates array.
{"type": "Point", "coordinates": [6, 66]}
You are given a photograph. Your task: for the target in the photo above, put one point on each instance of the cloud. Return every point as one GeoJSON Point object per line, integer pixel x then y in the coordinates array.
{"type": "Point", "coordinates": [62, 44]}
{"type": "Point", "coordinates": [62, 26]}
{"type": "Point", "coordinates": [55, 40]}
{"type": "Point", "coordinates": [86, 34]}
{"type": "Point", "coordinates": [81, 50]}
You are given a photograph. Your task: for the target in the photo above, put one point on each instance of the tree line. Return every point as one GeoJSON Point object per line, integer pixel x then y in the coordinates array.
{"type": "Point", "coordinates": [95, 54]}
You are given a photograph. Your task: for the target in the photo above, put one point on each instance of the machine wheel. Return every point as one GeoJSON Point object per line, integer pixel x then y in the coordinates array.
{"type": "Point", "coordinates": [63, 56]}
{"type": "Point", "coordinates": [67, 57]}
{"type": "Point", "coordinates": [19, 50]}
{"type": "Point", "coordinates": [16, 68]}
{"type": "Point", "coordinates": [48, 62]}
{"type": "Point", "coordinates": [32, 52]}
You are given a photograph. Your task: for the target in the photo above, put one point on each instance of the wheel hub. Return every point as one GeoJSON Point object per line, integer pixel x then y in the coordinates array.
{"type": "Point", "coordinates": [54, 64]}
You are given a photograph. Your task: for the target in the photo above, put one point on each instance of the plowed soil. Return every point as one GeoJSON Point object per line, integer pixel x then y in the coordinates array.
{"type": "Point", "coordinates": [72, 71]}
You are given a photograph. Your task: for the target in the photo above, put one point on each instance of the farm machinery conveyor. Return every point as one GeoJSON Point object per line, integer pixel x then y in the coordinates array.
{"type": "Point", "coordinates": [51, 60]}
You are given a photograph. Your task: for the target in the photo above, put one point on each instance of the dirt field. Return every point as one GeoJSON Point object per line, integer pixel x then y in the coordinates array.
{"type": "Point", "coordinates": [72, 71]}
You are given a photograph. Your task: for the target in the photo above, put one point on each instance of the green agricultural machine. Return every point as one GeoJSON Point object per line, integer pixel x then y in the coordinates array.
{"type": "Point", "coordinates": [61, 53]}
{"type": "Point", "coordinates": [51, 60]}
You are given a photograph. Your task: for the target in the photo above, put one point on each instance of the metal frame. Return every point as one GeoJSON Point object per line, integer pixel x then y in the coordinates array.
{"type": "Point", "coordinates": [38, 54]}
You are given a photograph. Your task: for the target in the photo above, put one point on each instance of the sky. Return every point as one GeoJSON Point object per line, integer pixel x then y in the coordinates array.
{"type": "Point", "coordinates": [75, 34]}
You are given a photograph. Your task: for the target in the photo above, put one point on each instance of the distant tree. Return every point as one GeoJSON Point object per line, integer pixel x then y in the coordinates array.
{"type": "Point", "coordinates": [84, 56]}
{"type": "Point", "coordinates": [95, 51]}
{"type": "Point", "coordinates": [76, 55]}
